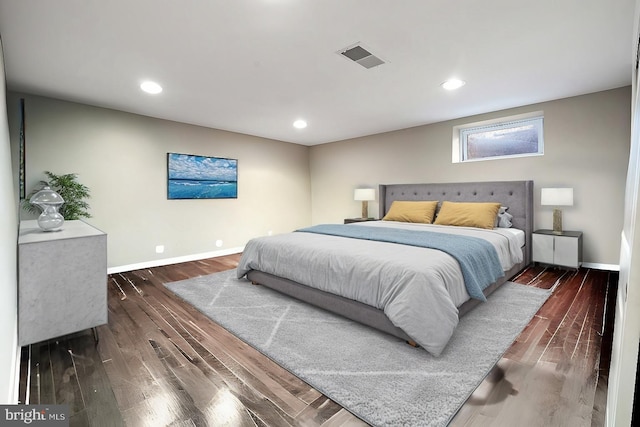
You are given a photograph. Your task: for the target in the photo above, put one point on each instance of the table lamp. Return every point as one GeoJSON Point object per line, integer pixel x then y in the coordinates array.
{"type": "Point", "coordinates": [557, 197]}
{"type": "Point", "coordinates": [365, 195]}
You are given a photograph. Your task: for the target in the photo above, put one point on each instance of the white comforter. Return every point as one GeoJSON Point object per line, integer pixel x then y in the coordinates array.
{"type": "Point", "coordinates": [419, 289]}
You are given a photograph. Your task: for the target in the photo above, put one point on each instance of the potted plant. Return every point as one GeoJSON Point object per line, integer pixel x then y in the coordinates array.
{"type": "Point", "coordinates": [73, 193]}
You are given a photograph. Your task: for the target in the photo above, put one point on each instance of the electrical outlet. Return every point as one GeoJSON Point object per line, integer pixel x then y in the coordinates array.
{"type": "Point", "coordinates": [159, 249]}
{"type": "Point", "coordinates": [219, 243]}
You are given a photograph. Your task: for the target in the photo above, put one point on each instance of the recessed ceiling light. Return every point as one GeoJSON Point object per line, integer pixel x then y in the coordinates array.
{"type": "Point", "coordinates": [300, 124]}
{"type": "Point", "coordinates": [151, 87]}
{"type": "Point", "coordinates": [453, 84]}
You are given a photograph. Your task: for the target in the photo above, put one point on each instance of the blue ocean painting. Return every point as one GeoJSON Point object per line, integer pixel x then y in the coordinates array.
{"type": "Point", "coordinates": [201, 177]}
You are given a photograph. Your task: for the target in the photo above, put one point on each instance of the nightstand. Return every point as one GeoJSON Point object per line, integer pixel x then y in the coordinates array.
{"type": "Point", "coordinates": [558, 249]}
{"type": "Point", "coordinates": [351, 220]}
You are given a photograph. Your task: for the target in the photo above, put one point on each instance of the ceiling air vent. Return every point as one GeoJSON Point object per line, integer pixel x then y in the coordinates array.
{"type": "Point", "coordinates": [362, 56]}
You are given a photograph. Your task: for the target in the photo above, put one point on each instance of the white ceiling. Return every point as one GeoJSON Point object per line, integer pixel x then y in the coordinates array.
{"type": "Point", "coordinates": [254, 66]}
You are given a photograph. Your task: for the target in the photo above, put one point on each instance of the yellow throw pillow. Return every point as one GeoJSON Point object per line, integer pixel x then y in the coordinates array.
{"type": "Point", "coordinates": [409, 211]}
{"type": "Point", "coordinates": [479, 215]}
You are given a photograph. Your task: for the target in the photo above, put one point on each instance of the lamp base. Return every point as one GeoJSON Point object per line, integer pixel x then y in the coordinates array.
{"type": "Point", "coordinates": [365, 209]}
{"type": "Point", "coordinates": [557, 221]}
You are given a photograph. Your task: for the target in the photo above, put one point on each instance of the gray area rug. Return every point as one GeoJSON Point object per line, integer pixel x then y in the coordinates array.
{"type": "Point", "coordinates": [379, 378]}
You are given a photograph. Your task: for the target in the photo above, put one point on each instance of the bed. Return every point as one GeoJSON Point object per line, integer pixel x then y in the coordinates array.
{"type": "Point", "coordinates": [351, 275]}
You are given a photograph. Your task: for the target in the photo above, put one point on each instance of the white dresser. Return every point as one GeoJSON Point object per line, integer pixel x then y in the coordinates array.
{"type": "Point", "coordinates": [62, 280]}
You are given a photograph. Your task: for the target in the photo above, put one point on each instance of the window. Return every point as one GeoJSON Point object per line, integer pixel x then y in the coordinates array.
{"type": "Point", "coordinates": [515, 136]}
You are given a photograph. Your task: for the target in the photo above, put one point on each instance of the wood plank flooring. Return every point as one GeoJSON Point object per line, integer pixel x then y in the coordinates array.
{"type": "Point", "coordinates": [160, 362]}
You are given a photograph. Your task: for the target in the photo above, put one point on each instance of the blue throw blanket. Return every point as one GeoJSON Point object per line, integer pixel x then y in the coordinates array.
{"type": "Point", "coordinates": [478, 258]}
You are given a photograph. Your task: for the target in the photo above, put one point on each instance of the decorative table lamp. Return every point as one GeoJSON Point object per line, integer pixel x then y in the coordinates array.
{"type": "Point", "coordinates": [49, 202]}
{"type": "Point", "coordinates": [557, 197]}
{"type": "Point", "coordinates": [365, 195]}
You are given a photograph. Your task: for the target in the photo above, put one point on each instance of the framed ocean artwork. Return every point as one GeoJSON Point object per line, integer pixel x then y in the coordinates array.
{"type": "Point", "coordinates": [201, 177]}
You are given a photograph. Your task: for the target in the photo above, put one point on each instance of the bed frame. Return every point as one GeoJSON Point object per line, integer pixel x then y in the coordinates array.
{"type": "Point", "coordinates": [517, 195]}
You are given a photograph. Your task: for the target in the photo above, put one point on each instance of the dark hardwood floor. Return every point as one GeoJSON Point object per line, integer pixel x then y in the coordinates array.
{"type": "Point", "coordinates": [160, 362]}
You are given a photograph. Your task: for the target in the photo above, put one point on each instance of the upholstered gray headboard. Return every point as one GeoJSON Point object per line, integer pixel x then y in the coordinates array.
{"type": "Point", "coordinates": [517, 195]}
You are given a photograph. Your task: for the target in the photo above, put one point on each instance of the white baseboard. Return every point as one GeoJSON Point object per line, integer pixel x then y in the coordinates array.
{"type": "Point", "coordinates": [598, 266]}
{"type": "Point", "coordinates": [16, 375]}
{"type": "Point", "coordinates": [11, 393]}
{"type": "Point", "coordinates": [176, 260]}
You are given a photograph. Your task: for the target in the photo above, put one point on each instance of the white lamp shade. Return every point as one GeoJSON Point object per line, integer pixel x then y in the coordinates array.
{"type": "Point", "coordinates": [557, 197]}
{"type": "Point", "coordinates": [364, 194]}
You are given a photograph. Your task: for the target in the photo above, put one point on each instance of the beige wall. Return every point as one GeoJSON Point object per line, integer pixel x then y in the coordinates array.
{"type": "Point", "coordinates": [122, 158]}
{"type": "Point", "coordinates": [8, 258]}
{"type": "Point", "coordinates": [586, 147]}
